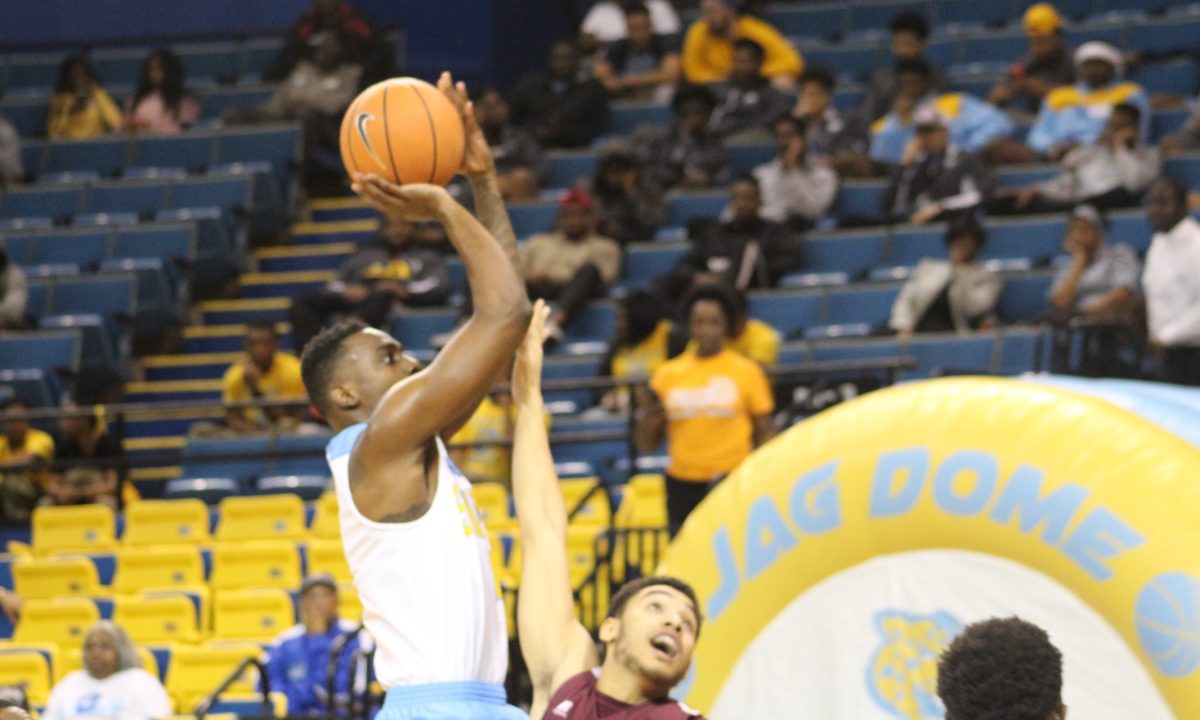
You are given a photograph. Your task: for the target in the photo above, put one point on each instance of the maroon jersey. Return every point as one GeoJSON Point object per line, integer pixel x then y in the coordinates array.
{"type": "Point", "coordinates": [578, 699]}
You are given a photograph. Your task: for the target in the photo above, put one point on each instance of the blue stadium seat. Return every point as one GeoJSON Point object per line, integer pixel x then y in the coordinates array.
{"type": "Point", "coordinates": [103, 219]}
{"type": "Point", "coordinates": [273, 144]}
{"type": "Point", "coordinates": [142, 198]}
{"type": "Point", "coordinates": [33, 72]}
{"type": "Point", "coordinates": [210, 490]}
{"type": "Point", "coordinates": [1173, 78]}
{"type": "Point", "coordinates": [645, 263]}
{"type": "Point", "coordinates": [104, 155]}
{"type": "Point", "coordinates": [58, 202]}
{"type": "Point", "coordinates": [414, 329]}
{"type": "Point", "coordinates": [311, 464]}
{"type": "Point", "coordinates": [120, 66]}
{"type": "Point", "coordinates": [565, 169]}
{"type": "Point", "coordinates": [1002, 47]}
{"type": "Point", "coordinates": [1036, 239]}
{"type": "Point", "coordinates": [191, 151]}
{"type": "Point", "coordinates": [1023, 299]}
{"type": "Point", "coordinates": [308, 487]}
{"type": "Point", "coordinates": [849, 253]}
{"type": "Point", "coordinates": [1015, 177]}
{"type": "Point", "coordinates": [683, 208]}
{"type": "Point", "coordinates": [1174, 33]}
{"type": "Point", "coordinates": [870, 305]}
{"type": "Point", "coordinates": [835, 350]}
{"type": "Point", "coordinates": [257, 56]}
{"type": "Point", "coordinates": [218, 100]}
{"type": "Point", "coordinates": [33, 154]}
{"type": "Point", "coordinates": [853, 61]}
{"type": "Point", "coordinates": [1186, 168]}
{"type": "Point", "coordinates": [46, 350]}
{"type": "Point", "coordinates": [1130, 229]}
{"type": "Point", "coordinates": [38, 298]}
{"type": "Point", "coordinates": [971, 13]}
{"type": "Point", "coordinates": [1018, 351]}
{"type": "Point", "coordinates": [112, 296]}
{"type": "Point", "coordinates": [28, 116]}
{"type": "Point", "coordinates": [154, 307]}
{"type": "Point", "coordinates": [85, 248]}
{"type": "Point", "coordinates": [173, 244]}
{"type": "Point", "coordinates": [227, 193]}
{"type": "Point", "coordinates": [790, 313]}
{"type": "Point", "coordinates": [624, 118]}
{"type": "Point", "coordinates": [596, 322]}
{"type": "Point", "coordinates": [98, 349]}
{"type": "Point", "coordinates": [201, 457]}
{"type": "Point", "coordinates": [40, 387]}
{"type": "Point", "coordinates": [910, 245]}
{"type": "Point", "coordinates": [744, 157]}
{"type": "Point", "coordinates": [1165, 122]}
{"type": "Point", "coordinates": [826, 22]}
{"type": "Point", "coordinates": [859, 199]}
{"type": "Point", "coordinates": [952, 355]}
{"type": "Point", "coordinates": [218, 61]}
{"type": "Point", "coordinates": [869, 15]}
{"type": "Point", "coordinates": [532, 218]}
{"type": "Point", "coordinates": [1112, 33]}
{"type": "Point", "coordinates": [570, 367]}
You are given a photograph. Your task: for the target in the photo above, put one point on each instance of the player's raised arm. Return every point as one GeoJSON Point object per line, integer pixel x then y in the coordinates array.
{"type": "Point", "coordinates": [554, 644]}
{"type": "Point", "coordinates": [417, 409]}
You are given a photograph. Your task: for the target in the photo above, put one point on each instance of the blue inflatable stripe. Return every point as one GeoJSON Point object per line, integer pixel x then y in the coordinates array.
{"type": "Point", "coordinates": [1172, 408]}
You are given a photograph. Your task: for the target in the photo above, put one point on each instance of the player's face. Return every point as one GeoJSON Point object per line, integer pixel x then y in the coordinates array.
{"type": "Point", "coordinates": [100, 654]}
{"type": "Point", "coordinates": [657, 635]}
{"type": "Point", "coordinates": [375, 361]}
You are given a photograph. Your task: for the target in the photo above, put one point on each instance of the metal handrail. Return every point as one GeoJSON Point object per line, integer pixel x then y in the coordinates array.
{"type": "Point", "coordinates": [205, 705]}
{"type": "Point", "coordinates": [336, 648]}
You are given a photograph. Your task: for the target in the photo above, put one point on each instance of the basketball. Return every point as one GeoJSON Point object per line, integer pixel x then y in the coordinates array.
{"type": "Point", "coordinates": [405, 131]}
{"type": "Point", "coordinates": [1168, 623]}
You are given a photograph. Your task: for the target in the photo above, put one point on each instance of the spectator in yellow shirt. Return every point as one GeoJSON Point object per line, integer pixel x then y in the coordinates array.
{"type": "Point", "coordinates": [494, 420]}
{"type": "Point", "coordinates": [708, 46]}
{"type": "Point", "coordinates": [80, 109]}
{"type": "Point", "coordinates": [639, 345]}
{"type": "Point", "coordinates": [712, 405]}
{"type": "Point", "coordinates": [264, 373]}
{"type": "Point", "coordinates": [21, 444]}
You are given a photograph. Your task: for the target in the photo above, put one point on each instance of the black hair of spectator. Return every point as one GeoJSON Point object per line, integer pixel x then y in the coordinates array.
{"type": "Point", "coordinates": [1178, 188]}
{"type": "Point", "coordinates": [321, 355]}
{"type": "Point", "coordinates": [797, 123]}
{"type": "Point", "coordinates": [637, 8]}
{"type": "Point", "coordinates": [65, 69]}
{"type": "Point", "coordinates": [915, 66]}
{"type": "Point", "coordinates": [748, 180]}
{"type": "Point", "coordinates": [612, 160]}
{"type": "Point", "coordinates": [747, 44]}
{"type": "Point", "coordinates": [965, 226]}
{"type": "Point", "coordinates": [1133, 111]}
{"type": "Point", "coordinates": [687, 93]}
{"type": "Point", "coordinates": [172, 88]}
{"type": "Point", "coordinates": [723, 295]}
{"type": "Point", "coordinates": [910, 22]}
{"type": "Point", "coordinates": [1001, 668]}
{"type": "Point", "coordinates": [16, 402]}
{"type": "Point", "coordinates": [262, 326]}
{"type": "Point", "coordinates": [821, 76]}
{"type": "Point", "coordinates": [643, 312]}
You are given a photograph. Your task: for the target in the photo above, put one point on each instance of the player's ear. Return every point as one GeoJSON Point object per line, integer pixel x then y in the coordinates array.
{"type": "Point", "coordinates": [344, 397]}
{"type": "Point", "coordinates": [609, 629]}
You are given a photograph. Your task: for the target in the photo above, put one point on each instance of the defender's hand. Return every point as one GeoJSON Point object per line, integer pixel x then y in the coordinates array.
{"type": "Point", "coordinates": [527, 372]}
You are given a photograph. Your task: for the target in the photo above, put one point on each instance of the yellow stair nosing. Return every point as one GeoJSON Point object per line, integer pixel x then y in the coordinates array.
{"type": "Point", "coordinates": [169, 472]}
{"type": "Point", "coordinates": [336, 248]}
{"type": "Point", "coordinates": [195, 385]}
{"type": "Point", "coordinates": [200, 331]}
{"type": "Point", "coordinates": [284, 277]}
{"type": "Point", "coordinates": [337, 203]}
{"type": "Point", "coordinates": [322, 227]}
{"type": "Point", "coordinates": [157, 361]}
{"type": "Point", "coordinates": [246, 304]}
{"type": "Point", "coordinates": [164, 442]}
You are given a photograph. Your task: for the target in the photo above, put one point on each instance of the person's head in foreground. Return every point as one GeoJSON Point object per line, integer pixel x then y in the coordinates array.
{"type": "Point", "coordinates": [712, 316]}
{"type": "Point", "coordinates": [349, 367]}
{"type": "Point", "coordinates": [964, 240]}
{"type": "Point", "coordinates": [107, 650]}
{"type": "Point", "coordinates": [1002, 669]}
{"type": "Point", "coordinates": [650, 632]}
{"type": "Point", "coordinates": [318, 602]}
{"type": "Point", "coordinates": [1166, 204]}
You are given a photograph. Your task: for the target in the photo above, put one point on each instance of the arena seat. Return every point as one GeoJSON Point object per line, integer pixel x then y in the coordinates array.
{"type": "Point", "coordinates": [1023, 299]}
{"type": "Point", "coordinates": [57, 203]}
{"type": "Point", "coordinates": [157, 618]}
{"type": "Point", "coordinates": [825, 21]}
{"type": "Point", "coordinates": [349, 604]}
{"type": "Point", "coordinates": [988, 47]}
{"type": "Point", "coordinates": [325, 522]}
{"type": "Point", "coordinates": [1038, 239]}
{"type": "Point", "coordinates": [257, 614]}
{"type": "Point", "coordinates": [1183, 167]}
{"type": "Point", "coordinates": [563, 169]}
{"type": "Point", "coordinates": [305, 487]}
{"type": "Point", "coordinates": [157, 567]}
{"type": "Point", "coordinates": [202, 457]}
{"type": "Point", "coordinates": [416, 329]}
{"type": "Point", "coordinates": [72, 660]}
{"type": "Point", "coordinates": [103, 155]}
{"type": "Point", "coordinates": [744, 157]}
{"type": "Point", "coordinates": [787, 312]}
{"type": "Point", "coordinates": [644, 263]}
{"type": "Point", "coordinates": [263, 517]}
{"type": "Point", "coordinates": [1173, 78]}
{"type": "Point", "coordinates": [492, 503]}
{"type": "Point", "coordinates": [532, 218]}
{"type": "Point", "coordinates": [1019, 351]}
{"type": "Point", "coordinates": [142, 198]}
{"type": "Point", "coordinates": [1173, 32]}
{"type": "Point", "coordinates": [860, 199]}
{"type": "Point", "coordinates": [683, 208]}
{"type": "Point", "coordinates": [86, 248]}
{"type": "Point", "coordinates": [87, 528]}
{"type": "Point", "coordinates": [113, 295]}
{"type": "Point", "coordinates": [28, 667]}
{"type": "Point", "coordinates": [207, 490]}
{"type": "Point", "coordinates": [870, 305]}
{"type": "Point", "coordinates": [28, 116]}
{"type": "Point", "coordinates": [218, 100]}
{"type": "Point", "coordinates": [595, 511]}
{"type": "Point", "coordinates": [852, 254]}
{"type": "Point", "coordinates": [950, 354]}
{"type": "Point", "coordinates": [193, 151]}
{"type": "Point", "coordinates": [98, 348]}
{"type": "Point", "coordinates": [172, 243]}
{"type": "Point", "coordinates": [328, 556]}
{"type": "Point", "coordinates": [60, 576]}
{"type": "Point", "coordinates": [196, 670]}
{"type": "Point", "coordinates": [273, 564]}
{"type": "Point", "coordinates": [227, 193]}
{"type": "Point", "coordinates": [849, 60]}
{"type": "Point", "coordinates": [63, 620]}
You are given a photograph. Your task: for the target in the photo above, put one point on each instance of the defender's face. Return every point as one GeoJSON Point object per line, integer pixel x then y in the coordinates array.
{"type": "Point", "coordinates": [656, 635]}
{"type": "Point", "coordinates": [375, 361]}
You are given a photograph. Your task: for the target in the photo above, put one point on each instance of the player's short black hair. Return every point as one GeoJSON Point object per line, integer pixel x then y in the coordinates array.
{"type": "Point", "coordinates": [910, 22]}
{"type": "Point", "coordinates": [914, 66]}
{"type": "Point", "coordinates": [320, 357]}
{"type": "Point", "coordinates": [1001, 669]}
{"type": "Point", "coordinates": [688, 93]}
{"type": "Point", "coordinates": [262, 326]}
{"type": "Point", "coordinates": [637, 8]}
{"type": "Point", "coordinates": [621, 599]}
{"type": "Point", "coordinates": [1133, 111]}
{"type": "Point", "coordinates": [748, 44]}
{"type": "Point", "coordinates": [723, 295]}
{"type": "Point", "coordinates": [821, 76]}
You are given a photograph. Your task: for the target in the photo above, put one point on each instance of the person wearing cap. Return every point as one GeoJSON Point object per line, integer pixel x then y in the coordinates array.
{"type": "Point", "coordinates": [1112, 172]}
{"type": "Point", "coordinates": [909, 32]}
{"type": "Point", "coordinates": [571, 265]}
{"type": "Point", "coordinates": [750, 103]}
{"type": "Point", "coordinates": [1171, 284]}
{"type": "Point", "coordinates": [298, 660]}
{"type": "Point", "coordinates": [1076, 114]}
{"type": "Point", "coordinates": [708, 47]}
{"type": "Point", "coordinates": [684, 154]}
{"type": "Point", "coordinates": [936, 179]}
{"type": "Point", "coordinates": [1102, 279]}
{"type": "Point", "coordinates": [1047, 66]}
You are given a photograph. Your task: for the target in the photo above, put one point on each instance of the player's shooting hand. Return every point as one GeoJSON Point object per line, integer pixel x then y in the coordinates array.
{"type": "Point", "coordinates": [527, 371]}
{"type": "Point", "coordinates": [477, 159]}
{"type": "Point", "coordinates": [416, 202]}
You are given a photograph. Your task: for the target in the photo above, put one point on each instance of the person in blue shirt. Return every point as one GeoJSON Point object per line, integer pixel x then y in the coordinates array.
{"type": "Point", "coordinates": [299, 657]}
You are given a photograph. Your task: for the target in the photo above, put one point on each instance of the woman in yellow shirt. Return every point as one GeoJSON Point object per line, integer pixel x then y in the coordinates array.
{"type": "Point", "coordinates": [712, 404]}
{"type": "Point", "coordinates": [80, 108]}
{"type": "Point", "coordinates": [638, 347]}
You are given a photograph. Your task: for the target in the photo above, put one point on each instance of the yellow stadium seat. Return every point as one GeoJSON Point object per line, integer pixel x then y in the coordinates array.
{"type": "Point", "coordinates": [584, 544]}
{"type": "Point", "coordinates": [157, 618]}
{"type": "Point", "coordinates": [158, 522]}
{"type": "Point", "coordinates": [154, 568]}
{"type": "Point", "coordinates": [255, 564]}
{"type": "Point", "coordinates": [349, 606]}
{"type": "Point", "coordinates": [644, 503]}
{"type": "Point", "coordinates": [261, 517]}
{"type": "Point", "coordinates": [327, 556]}
{"type": "Point", "coordinates": [596, 510]}
{"type": "Point", "coordinates": [64, 621]}
{"type": "Point", "coordinates": [73, 660]}
{"type": "Point", "coordinates": [196, 670]}
{"type": "Point", "coordinates": [30, 667]}
{"type": "Point", "coordinates": [73, 527]}
{"type": "Point", "coordinates": [325, 520]}
{"type": "Point", "coordinates": [48, 578]}
{"type": "Point", "coordinates": [258, 614]}
{"type": "Point", "coordinates": [491, 500]}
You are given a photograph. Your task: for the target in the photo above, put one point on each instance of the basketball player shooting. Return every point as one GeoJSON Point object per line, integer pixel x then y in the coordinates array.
{"type": "Point", "coordinates": [652, 623]}
{"type": "Point", "coordinates": [417, 550]}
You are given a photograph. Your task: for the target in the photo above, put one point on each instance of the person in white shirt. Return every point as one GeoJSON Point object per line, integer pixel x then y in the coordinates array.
{"type": "Point", "coordinates": [1172, 284]}
{"type": "Point", "coordinates": [112, 684]}
{"type": "Point", "coordinates": [795, 188]}
{"type": "Point", "coordinates": [606, 20]}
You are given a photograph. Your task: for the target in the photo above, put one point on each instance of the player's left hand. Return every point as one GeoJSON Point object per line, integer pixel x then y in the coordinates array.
{"type": "Point", "coordinates": [477, 159]}
{"type": "Point", "coordinates": [416, 202]}
{"type": "Point", "coordinates": [527, 371]}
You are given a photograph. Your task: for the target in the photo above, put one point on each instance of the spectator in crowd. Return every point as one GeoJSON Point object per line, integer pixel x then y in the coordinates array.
{"type": "Point", "coordinates": [14, 294]}
{"type": "Point", "coordinates": [1171, 284]}
{"type": "Point", "coordinates": [630, 208]}
{"type": "Point", "coordinates": [684, 155]}
{"type": "Point", "coordinates": [15, 710]}
{"type": "Point", "coordinates": [708, 48]}
{"type": "Point", "coordinates": [952, 295]}
{"type": "Point", "coordinates": [1047, 66]}
{"type": "Point", "coordinates": [796, 189]}
{"type": "Point", "coordinates": [21, 445]}
{"type": "Point", "coordinates": [643, 65]}
{"type": "Point", "coordinates": [936, 179]}
{"type": "Point", "coordinates": [638, 347]}
{"type": "Point", "coordinates": [973, 124]}
{"type": "Point", "coordinates": [561, 107]}
{"type": "Point", "coordinates": [750, 103]}
{"type": "Point", "coordinates": [1001, 668]}
{"type": "Point", "coordinates": [1077, 114]}
{"type": "Point", "coordinates": [391, 271]}
{"type": "Point", "coordinates": [11, 604]}
{"type": "Point", "coordinates": [910, 36]}
{"type": "Point", "coordinates": [264, 373]}
{"type": "Point", "coordinates": [571, 265]}
{"type": "Point", "coordinates": [364, 43]}
{"type": "Point", "coordinates": [80, 485]}
{"type": "Point", "coordinates": [80, 108]}
{"type": "Point", "coordinates": [751, 337]}
{"type": "Point", "coordinates": [493, 423]}
{"type": "Point", "coordinates": [520, 161]}
{"type": "Point", "coordinates": [712, 405]}
{"type": "Point", "coordinates": [606, 21]}
{"type": "Point", "coordinates": [12, 168]}
{"type": "Point", "coordinates": [112, 683]}
{"type": "Point", "coordinates": [1102, 280]}
{"type": "Point", "coordinates": [745, 252]}
{"type": "Point", "coordinates": [298, 660]}
{"type": "Point", "coordinates": [82, 437]}
{"type": "Point", "coordinates": [1112, 172]}
{"type": "Point", "coordinates": [838, 140]}
{"type": "Point", "coordinates": [161, 103]}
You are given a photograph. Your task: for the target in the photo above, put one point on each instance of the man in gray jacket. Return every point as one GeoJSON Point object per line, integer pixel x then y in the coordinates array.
{"type": "Point", "coordinates": [389, 271]}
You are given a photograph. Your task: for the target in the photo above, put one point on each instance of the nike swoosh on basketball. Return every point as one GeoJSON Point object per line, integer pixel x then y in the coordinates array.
{"type": "Point", "coordinates": [361, 123]}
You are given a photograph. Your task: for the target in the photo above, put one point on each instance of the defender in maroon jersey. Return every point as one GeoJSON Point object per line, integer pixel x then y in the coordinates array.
{"type": "Point", "coordinates": [652, 623]}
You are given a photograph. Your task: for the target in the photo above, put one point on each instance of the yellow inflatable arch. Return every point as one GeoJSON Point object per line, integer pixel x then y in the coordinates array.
{"type": "Point", "coordinates": [839, 559]}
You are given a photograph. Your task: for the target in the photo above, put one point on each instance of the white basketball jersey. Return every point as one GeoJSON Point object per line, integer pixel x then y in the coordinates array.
{"type": "Point", "coordinates": [426, 586]}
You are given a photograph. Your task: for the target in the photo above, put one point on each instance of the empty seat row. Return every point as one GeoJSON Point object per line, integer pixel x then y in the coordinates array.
{"type": "Point", "coordinates": [140, 199]}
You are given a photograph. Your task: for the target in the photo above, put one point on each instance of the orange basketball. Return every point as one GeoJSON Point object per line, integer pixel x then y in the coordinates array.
{"type": "Point", "coordinates": [405, 131]}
